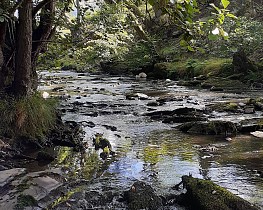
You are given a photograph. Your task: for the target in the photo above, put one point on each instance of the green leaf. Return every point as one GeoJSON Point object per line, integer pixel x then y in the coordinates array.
{"type": "Point", "coordinates": [213, 37]}
{"type": "Point", "coordinates": [231, 15]}
{"type": "Point", "coordinates": [221, 18]}
{"type": "Point", "coordinates": [2, 19]}
{"type": "Point", "coordinates": [225, 3]}
{"type": "Point", "coordinates": [190, 48]}
{"type": "Point", "coordinates": [183, 43]}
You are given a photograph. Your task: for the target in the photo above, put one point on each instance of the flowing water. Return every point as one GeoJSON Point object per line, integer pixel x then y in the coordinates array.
{"type": "Point", "coordinates": [149, 150]}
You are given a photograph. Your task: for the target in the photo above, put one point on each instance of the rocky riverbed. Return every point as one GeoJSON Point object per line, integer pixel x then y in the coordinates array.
{"type": "Point", "coordinates": [158, 131]}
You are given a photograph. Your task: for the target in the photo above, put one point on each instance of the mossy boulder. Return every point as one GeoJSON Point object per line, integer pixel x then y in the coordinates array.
{"type": "Point", "coordinates": [206, 195]}
{"type": "Point", "coordinates": [224, 107]}
{"type": "Point", "coordinates": [211, 127]}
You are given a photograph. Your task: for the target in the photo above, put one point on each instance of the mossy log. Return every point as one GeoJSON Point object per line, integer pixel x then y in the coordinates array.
{"type": "Point", "coordinates": [206, 195]}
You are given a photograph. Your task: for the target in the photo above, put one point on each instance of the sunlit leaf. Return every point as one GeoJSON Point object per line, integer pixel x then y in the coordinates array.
{"type": "Point", "coordinates": [231, 16]}
{"type": "Point", "coordinates": [225, 3]}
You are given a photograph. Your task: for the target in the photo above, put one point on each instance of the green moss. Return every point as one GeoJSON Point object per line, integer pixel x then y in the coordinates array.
{"type": "Point", "coordinates": [24, 201]}
{"type": "Point", "coordinates": [206, 195]}
{"type": "Point", "coordinates": [231, 107]}
{"type": "Point", "coordinates": [32, 116]}
{"type": "Point", "coordinates": [194, 67]}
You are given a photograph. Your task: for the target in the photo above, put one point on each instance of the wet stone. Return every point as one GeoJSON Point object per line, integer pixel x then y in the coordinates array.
{"type": "Point", "coordinates": [7, 176]}
{"type": "Point", "coordinates": [142, 196]}
{"type": "Point", "coordinates": [41, 186]}
{"type": "Point", "coordinates": [249, 110]}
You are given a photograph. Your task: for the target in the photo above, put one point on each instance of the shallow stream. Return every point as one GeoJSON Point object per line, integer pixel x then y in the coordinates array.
{"type": "Point", "coordinates": [149, 150]}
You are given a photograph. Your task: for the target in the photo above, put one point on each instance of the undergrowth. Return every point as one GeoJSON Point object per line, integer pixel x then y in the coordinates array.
{"type": "Point", "coordinates": [32, 116]}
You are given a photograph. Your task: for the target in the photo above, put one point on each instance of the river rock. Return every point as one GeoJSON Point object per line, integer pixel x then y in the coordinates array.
{"type": "Point", "coordinates": [211, 127]}
{"type": "Point", "coordinates": [39, 187]}
{"type": "Point", "coordinates": [141, 96]}
{"type": "Point", "coordinates": [249, 110]}
{"type": "Point", "coordinates": [179, 115]}
{"type": "Point", "coordinates": [7, 176]}
{"type": "Point", "coordinates": [141, 75]}
{"type": "Point", "coordinates": [142, 196]}
{"type": "Point", "coordinates": [258, 134]}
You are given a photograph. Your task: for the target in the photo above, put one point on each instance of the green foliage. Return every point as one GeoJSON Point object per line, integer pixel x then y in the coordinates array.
{"type": "Point", "coordinates": [140, 54]}
{"type": "Point", "coordinates": [244, 33]}
{"type": "Point", "coordinates": [102, 35]}
{"type": "Point", "coordinates": [32, 116]}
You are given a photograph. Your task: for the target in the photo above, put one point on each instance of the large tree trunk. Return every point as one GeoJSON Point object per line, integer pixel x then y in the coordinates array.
{"type": "Point", "coordinates": [22, 81]}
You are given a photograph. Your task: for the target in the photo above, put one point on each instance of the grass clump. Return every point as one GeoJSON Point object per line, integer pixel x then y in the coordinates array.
{"type": "Point", "coordinates": [31, 117]}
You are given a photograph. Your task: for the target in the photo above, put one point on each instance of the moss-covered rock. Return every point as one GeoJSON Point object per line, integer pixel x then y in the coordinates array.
{"type": "Point", "coordinates": [211, 127]}
{"type": "Point", "coordinates": [206, 195]}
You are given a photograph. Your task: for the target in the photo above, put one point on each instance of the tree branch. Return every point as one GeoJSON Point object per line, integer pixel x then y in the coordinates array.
{"type": "Point", "coordinates": [39, 6]}
{"type": "Point", "coordinates": [15, 7]}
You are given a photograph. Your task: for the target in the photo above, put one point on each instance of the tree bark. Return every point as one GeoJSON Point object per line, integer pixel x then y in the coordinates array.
{"type": "Point", "coordinates": [22, 80]}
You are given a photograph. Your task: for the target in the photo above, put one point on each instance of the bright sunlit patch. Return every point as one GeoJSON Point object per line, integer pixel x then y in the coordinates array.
{"type": "Point", "coordinates": [215, 31]}
{"type": "Point", "coordinates": [45, 94]}
{"type": "Point", "coordinates": [225, 33]}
